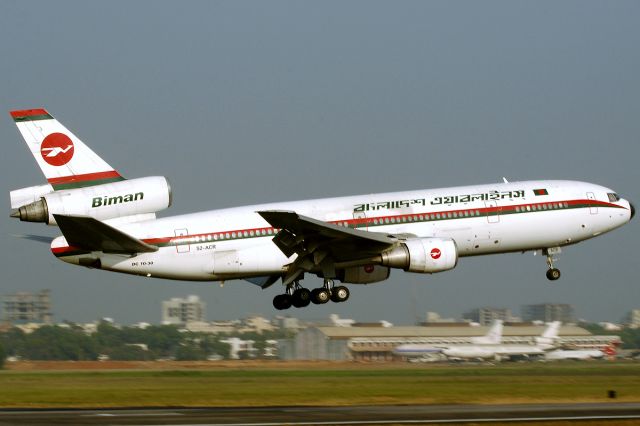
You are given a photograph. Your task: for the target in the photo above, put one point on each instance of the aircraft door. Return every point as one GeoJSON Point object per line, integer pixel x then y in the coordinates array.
{"type": "Point", "coordinates": [592, 197]}
{"type": "Point", "coordinates": [493, 211]}
{"type": "Point", "coordinates": [180, 246]}
{"type": "Point", "coordinates": [361, 220]}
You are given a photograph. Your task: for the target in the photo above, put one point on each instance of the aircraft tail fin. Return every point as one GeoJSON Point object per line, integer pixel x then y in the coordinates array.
{"type": "Point", "coordinates": [87, 233]}
{"type": "Point", "coordinates": [550, 334]}
{"type": "Point", "coordinates": [63, 158]}
{"type": "Point", "coordinates": [493, 336]}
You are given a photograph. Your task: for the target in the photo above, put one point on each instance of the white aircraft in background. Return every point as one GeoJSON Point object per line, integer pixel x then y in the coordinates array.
{"type": "Point", "coordinates": [579, 354]}
{"type": "Point", "coordinates": [487, 348]}
{"type": "Point", "coordinates": [109, 223]}
{"type": "Point", "coordinates": [544, 343]}
{"type": "Point", "coordinates": [493, 337]}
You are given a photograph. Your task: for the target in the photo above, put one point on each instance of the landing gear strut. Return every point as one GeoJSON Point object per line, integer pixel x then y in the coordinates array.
{"type": "Point", "coordinates": [552, 273]}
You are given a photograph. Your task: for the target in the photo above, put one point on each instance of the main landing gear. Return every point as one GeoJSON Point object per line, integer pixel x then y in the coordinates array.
{"type": "Point", "coordinates": [552, 273]}
{"type": "Point", "coordinates": [300, 297]}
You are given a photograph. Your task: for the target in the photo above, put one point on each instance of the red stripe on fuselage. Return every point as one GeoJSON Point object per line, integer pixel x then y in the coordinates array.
{"type": "Point", "coordinates": [62, 250]}
{"type": "Point", "coordinates": [381, 221]}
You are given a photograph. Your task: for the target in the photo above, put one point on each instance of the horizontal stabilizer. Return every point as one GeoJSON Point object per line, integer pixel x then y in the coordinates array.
{"type": "Point", "coordinates": [39, 238]}
{"type": "Point", "coordinates": [90, 234]}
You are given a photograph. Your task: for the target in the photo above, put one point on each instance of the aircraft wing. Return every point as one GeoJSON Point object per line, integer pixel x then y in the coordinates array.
{"type": "Point", "coordinates": [90, 234]}
{"type": "Point", "coordinates": [321, 245]}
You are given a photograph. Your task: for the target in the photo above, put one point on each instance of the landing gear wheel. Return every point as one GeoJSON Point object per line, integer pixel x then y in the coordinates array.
{"type": "Point", "coordinates": [340, 294]}
{"type": "Point", "coordinates": [553, 274]}
{"type": "Point", "coordinates": [301, 298]}
{"type": "Point", "coordinates": [320, 296]}
{"type": "Point", "coordinates": [282, 302]}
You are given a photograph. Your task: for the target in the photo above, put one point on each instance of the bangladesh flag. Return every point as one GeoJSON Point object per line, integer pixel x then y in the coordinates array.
{"type": "Point", "coordinates": [540, 192]}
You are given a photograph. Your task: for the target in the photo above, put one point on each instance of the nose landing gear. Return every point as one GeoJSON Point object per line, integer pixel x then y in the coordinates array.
{"type": "Point", "coordinates": [552, 273]}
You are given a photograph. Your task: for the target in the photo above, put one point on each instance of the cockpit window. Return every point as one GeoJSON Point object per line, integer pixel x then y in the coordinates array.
{"type": "Point", "coordinates": [613, 197]}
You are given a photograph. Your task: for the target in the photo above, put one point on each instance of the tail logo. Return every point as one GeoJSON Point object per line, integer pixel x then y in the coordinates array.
{"type": "Point", "coordinates": [57, 149]}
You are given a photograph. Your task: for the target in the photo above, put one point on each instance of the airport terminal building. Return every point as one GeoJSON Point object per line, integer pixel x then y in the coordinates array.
{"type": "Point", "coordinates": [376, 343]}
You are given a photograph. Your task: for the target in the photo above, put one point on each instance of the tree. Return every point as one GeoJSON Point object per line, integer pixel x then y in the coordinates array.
{"type": "Point", "coordinates": [190, 352]}
{"type": "Point", "coordinates": [2, 356]}
{"type": "Point", "coordinates": [129, 353]}
{"type": "Point", "coordinates": [212, 345]}
{"type": "Point", "coordinates": [58, 343]}
{"type": "Point", "coordinates": [13, 341]}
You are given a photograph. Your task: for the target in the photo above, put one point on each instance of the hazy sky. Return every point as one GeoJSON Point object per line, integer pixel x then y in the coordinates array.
{"type": "Point", "coordinates": [248, 102]}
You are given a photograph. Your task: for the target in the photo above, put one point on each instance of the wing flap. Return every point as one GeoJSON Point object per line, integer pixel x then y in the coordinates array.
{"type": "Point", "coordinates": [321, 245]}
{"type": "Point", "coordinates": [309, 228]}
{"type": "Point", "coordinates": [90, 234]}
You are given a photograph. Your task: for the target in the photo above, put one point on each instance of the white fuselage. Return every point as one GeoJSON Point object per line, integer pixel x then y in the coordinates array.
{"type": "Point", "coordinates": [235, 243]}
{"type": "Point", "coordinates": [574, 354]}
{"type": "Point", "coordinates": [472, 351]}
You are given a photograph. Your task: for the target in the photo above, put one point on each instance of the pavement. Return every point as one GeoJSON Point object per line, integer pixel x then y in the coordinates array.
{"type": "Point", "coordinates": [325, 416]}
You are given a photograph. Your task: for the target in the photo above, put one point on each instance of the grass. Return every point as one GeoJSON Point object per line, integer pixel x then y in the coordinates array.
{"type": "Point", "coordinates": [344, 385]}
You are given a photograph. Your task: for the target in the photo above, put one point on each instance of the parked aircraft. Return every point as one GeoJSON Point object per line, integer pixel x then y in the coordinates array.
{"type": "Point", "coordinates": [573, 354]}
{"type": "Point", "coordinates": [109, 222]}
{"type": "Point", "coordinates": [487, 349]}
{"type": "Point", "coordinates": [493, 337]}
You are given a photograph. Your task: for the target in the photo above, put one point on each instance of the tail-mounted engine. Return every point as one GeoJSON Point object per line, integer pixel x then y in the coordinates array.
{"type": "Point", "coordinates": [423, 255]}
{"type": "Point", "coordinates": [107, 201]}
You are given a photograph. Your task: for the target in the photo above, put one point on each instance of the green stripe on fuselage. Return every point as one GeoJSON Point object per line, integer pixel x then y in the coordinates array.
{"type": "Point", "coordinates": [85, 183]}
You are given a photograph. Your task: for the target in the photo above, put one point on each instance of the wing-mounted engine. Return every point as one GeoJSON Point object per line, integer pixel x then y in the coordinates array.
{"type": "Point", "coordinates": [422, 255]}
{"type": "Point", "coordinates": [102, 202]}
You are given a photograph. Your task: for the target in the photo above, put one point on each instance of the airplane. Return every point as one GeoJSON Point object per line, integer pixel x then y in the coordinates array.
{"type": "Point", "coordinates": [109, 223]}
{"type": "Point", "coordinates": [576, 355]}
{"type": "Point", "coordinates": [543, 344]}
{"type": "Point", "coordinates": [487, 348]}
{"type": "Point", "coordinates": [493, 337]}
{"type": "Point", "coordinates": [581, 354]}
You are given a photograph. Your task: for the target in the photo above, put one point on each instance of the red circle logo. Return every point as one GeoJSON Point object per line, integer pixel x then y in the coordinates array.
{"type": "Point", "coordinates": [57, 149]}
{"type": "Point", "coordinates": [369, 269]}
{"type": "Point", "coordinates": [436, 253]}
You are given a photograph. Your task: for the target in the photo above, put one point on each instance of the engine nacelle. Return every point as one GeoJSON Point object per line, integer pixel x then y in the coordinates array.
{"type": "Point", "coordinates": [23, 196]}
{"type": "Point", "coordinates": [364, 274]}
{"type": "Point", "coordinates": [423, 255]}
{"type": "Point", "coordinates": [107, 201]}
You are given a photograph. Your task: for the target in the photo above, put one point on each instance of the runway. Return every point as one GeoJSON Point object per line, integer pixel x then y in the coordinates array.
{"type": "Point", "coordinates": [324, 416]}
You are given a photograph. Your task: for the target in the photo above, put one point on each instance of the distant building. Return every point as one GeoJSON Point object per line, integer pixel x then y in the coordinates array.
{"type": "Point", "coordinates": [288, 323]}
{"type": "Point", "coordinates": [336, 321]}
{"type": "Point", "coordinates": [256, 324]}
{"type": "Point", "coordinates": [212, 327]}
{"type": "Point", "coordinates": [434, 317]}
{"type": "Point", "coordinates": [240, 348]}
{"type": "Point", "coordinates": [377, 343]}
{"type": "Point", "coordinates": [632, 320]}
{"type": "Point", "coordinates": [485, 316]}
{"type": "Point", "coordinates": [181, 311]}
{"type": "Point", "coordinates": [548, 312]}
{"type": "Point", "coordinates": [24, 307]}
